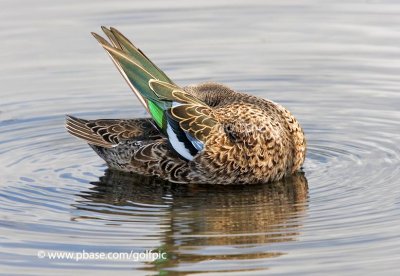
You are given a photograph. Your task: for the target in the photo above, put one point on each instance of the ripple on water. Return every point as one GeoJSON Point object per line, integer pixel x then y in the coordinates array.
{"type": "Point", "coordinates": [75, 209]}
{"type": "Point", "coordinates": [339, 77]}
{"type": "Point", "coordinates": [201, 228]}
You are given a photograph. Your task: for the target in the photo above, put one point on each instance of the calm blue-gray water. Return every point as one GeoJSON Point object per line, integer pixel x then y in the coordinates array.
{"type": "Point", "coordinates": [334, 64]}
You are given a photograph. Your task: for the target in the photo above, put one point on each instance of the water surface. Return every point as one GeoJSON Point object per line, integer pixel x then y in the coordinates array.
{"type": "Point", "coordinates": [334, 64]}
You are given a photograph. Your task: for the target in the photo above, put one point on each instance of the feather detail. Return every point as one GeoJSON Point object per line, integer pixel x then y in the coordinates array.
{"type": "Point", "coordinates": [78, 128]}
{"type": "Point", "coordinates": [185, 119]}
{"type": "Point", "coordinates": [179, 142]}
{"type": "Point", "coordinates": [128, 47]}
{"type": "Point", "coordinates": [108, 133]}
{"type": "Point", "coordinates": [157, 114]}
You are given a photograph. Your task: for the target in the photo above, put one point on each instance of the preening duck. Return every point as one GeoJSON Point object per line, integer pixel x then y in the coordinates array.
{"type": "Point", "coordinates": [206, 133]}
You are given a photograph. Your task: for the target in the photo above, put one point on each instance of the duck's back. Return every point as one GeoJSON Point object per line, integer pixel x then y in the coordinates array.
{"type": "Point", "coordinates": [256, 140]}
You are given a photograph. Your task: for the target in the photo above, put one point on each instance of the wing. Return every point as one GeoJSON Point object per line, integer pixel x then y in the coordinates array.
{"type": "Point", "coordinates": [109, 132]}
{"type": "Point", "coordinates": [186, 120]}
{"type": "Point", "coordinates": [189, 121]}
{"type": "Point", "coordinates": [134, 66]}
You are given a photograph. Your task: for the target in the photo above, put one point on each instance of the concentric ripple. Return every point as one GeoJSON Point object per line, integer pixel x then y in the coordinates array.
{"type": "Point", "coordinates": [334, 65]}
{"type": "Point", "coordinates": [57, 204]}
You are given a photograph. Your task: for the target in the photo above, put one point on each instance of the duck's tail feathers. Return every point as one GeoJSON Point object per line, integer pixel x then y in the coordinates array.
{"type": "Point", "coordinates": [79, 128]}
{"type": "Point", "coordinates": [109, 133]}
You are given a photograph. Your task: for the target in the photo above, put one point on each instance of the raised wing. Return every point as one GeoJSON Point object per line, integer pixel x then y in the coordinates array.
{"type": "Point", "coordinates": [186, 120]}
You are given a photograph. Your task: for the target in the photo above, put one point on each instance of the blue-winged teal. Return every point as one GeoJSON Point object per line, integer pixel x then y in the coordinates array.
{"type": "Point", "coordinates": [206, 133]}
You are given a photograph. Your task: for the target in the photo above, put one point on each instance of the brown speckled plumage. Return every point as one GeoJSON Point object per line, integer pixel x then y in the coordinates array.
{"type": "Point", "coordinates": [244, 139]}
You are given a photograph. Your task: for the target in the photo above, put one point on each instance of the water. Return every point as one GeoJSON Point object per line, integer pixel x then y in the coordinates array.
{"type": "Point", "coordinates": [334, 64]}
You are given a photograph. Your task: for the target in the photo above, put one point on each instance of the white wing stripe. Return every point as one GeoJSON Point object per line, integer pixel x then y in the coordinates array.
{"type": "Point", "coordinates": [178, 145]}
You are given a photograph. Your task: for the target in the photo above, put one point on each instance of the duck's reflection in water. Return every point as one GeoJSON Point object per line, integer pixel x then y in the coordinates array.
{"type": "Point", "coordinates": [207, 222]}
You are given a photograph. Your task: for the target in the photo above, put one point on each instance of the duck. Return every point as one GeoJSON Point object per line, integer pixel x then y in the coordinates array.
{"type": "Point", "coordinates": [206, 133]}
